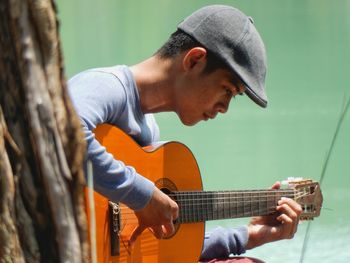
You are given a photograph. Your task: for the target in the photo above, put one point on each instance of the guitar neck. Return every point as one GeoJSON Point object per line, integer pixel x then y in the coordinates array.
{"type": "Point", "coordinates": [200, 206]}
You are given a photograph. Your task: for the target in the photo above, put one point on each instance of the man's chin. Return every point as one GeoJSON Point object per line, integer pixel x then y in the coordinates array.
{"type": "Point", "coordinates": [189, 122]}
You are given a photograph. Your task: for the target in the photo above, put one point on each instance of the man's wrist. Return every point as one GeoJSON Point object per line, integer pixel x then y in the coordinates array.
{"type": "Point", "coordinates": [141, 193]}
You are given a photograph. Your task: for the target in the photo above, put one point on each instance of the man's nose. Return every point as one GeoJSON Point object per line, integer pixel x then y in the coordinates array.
{"type": "Point", "coordinates": [222, 106]}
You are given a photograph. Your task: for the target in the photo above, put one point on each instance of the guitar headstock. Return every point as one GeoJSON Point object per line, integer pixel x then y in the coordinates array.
{"type": "Point", "coordinates": [308, 194]}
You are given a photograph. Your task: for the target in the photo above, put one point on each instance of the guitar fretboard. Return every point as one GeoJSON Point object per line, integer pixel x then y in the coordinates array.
{"type": "Point", "coordinates": [200, 206]}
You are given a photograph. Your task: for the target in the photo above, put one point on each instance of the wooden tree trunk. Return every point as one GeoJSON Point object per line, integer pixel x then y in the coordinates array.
{"type": "Point", "coordinates": [42, 210]}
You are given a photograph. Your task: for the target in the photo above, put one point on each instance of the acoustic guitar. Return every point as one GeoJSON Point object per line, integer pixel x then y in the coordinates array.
{"type": "Point", "coordinates": [174, 170]}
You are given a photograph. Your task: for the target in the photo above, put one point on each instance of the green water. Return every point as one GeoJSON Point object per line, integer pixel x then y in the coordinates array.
{"type": "Point", "coordinates": [309, 71]}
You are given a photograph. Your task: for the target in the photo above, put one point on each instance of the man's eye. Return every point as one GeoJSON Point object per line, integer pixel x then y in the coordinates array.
{"type": "Point", "coordinates": [229, 92]}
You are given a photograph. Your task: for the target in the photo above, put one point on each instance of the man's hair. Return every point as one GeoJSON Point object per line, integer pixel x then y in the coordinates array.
{"type": "Point", "coordinates": [179, 42]}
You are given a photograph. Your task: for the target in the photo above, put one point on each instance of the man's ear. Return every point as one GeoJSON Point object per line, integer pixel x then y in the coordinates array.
{"type": "Point", "coordinates": [195, 58]}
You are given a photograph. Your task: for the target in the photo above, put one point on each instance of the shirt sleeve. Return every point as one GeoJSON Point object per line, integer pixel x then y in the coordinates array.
{"type": "Point", "coordinates": [99, 97]}
{"type": "Point", "coordinates": [222, 242]}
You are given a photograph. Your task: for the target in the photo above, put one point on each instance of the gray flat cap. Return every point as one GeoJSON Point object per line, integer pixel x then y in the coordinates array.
{"type": "Point", "coordinates": [232, 36]}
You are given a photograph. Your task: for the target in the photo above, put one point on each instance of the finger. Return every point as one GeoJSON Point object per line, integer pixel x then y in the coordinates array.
{"type": "Point", "coordinates": [293, 216]}
{"type": "Point", "coordinates": [137, 231]}
{"type": "Point", "coordinates": [276, 185]}
{"type": "Point", "coordinates": [284, 219]}
{"type": "Point", "coordinates": [175, 211]}
{"type": "Point", "coordinates": [290, 216]}
{"type": "Point", "coordinates": [288, 227]}
{"type": "Point", "coordinates": [292, 209]}
{"type": "Point", "coordinates": [292, 204]}
{"type": "Point", "coordinates": [169, 228]}
{"type": "Point", "coordinates": [286, 209]}
{"type": "Point", "coordinates": [157, 231]}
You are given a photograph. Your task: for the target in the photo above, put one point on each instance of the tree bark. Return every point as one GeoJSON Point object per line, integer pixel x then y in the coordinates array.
{"type": "Point", "coordinates": [42, 210]}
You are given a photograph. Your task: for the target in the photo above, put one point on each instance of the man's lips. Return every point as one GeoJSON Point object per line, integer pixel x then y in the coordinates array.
{"type": "Point", "coordinates": [209, 116]}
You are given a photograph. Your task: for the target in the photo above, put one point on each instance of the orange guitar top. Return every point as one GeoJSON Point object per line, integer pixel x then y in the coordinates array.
{"type": "Point", "coordinates": [173, 169]}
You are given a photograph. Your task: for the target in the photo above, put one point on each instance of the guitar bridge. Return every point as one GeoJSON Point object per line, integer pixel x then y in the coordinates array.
{"type": "Point", "coordinates": [114, 216]}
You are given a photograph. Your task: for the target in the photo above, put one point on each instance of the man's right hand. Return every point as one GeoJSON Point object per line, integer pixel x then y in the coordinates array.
{"type": "Point", "coordinates": [158, 215]}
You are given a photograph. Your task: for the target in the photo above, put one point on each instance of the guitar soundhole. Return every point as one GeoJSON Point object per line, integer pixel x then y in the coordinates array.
{"type": "Point", "coordinates": [167, 187]}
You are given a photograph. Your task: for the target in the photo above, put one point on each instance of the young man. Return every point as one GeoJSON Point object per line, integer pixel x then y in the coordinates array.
{"type": "Point", "coordinates": [215, 54]}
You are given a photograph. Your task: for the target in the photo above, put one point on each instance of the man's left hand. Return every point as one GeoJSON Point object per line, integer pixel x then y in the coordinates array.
{"type": "Point", "coordinates": [265, 229]}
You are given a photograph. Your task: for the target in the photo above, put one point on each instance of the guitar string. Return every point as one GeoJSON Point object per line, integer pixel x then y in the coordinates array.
{"type": "Point", "coordinates": [206, 216]}
{"type": "Point", "coordinates": [233, 195]}
{"type": "Point", "coordinates": [235, 198]}
{"type": "Point", "coordinates": [232, 192]}
{"type": "Point", "coordinates": [232, 199]}
{"type": "Point", "coordinates": [209, 212]}
{"type": "Point", "coordinates": [238, 204]}
{"type": "Point", "coordinates": [251, 198]}
{"type": "Point", "coordinates": [213, 215]}
{"type": "Point", "coordinates": [207, 207]}
{"type": "Point", "coordinates": [230, 196]}
{"type": "Point", "coordinates": [195, 195]}
{"type": "Point", "coordinates": [223, 200]}
{"type": "Point", "coordinates": [190, 202]}
{"type": "Point", "coordinates": [229, 200]}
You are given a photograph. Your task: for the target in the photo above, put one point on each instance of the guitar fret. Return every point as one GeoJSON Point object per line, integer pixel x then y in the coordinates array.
{"type": "Point", "coordinates": [226, 212]}
{"type": "Point", "coordinates": [221, 205]}
{"type": "Point", "coordinates": [266, 204]}
{"type": "Point", "coordinates": [236, 202]}
{"type": "Point", "coordinates": [194, 207]}
{"type": "Point", "coordinates": [223, 202]}
{"type": "Point", "coordinates": [254, 207]}
{"type": "Point", "coordinates": [184, 207]}
{"type": "Point", "coordinates": [252, 204]}
{"type": "Point", "coordinates": [187, 209]}
{"type": "Point", "coordinates": [179, 203]}
{"type": "Point", "coordinates": [246, 206]}
{"type": "Point", "coordinates": [259, 208]}
{"type": "Point", "coordinates": [230, 205]}
{"type": "Point", "coordinates": [235, 206]}
{"type": "Point", "coordinates": [190, 207]}
{"type": "Point", "coordinates": [203, 214]}
{"type": "Point", "coordinates": [209, 209]}
{"type": "Point", "coordinates": [241, 205]}
{"type": "Point", "coordinates": [217, 206]}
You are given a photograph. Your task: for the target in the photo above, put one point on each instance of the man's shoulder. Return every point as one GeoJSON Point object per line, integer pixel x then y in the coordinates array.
{"type": "Point", "coordinates": [117, 71]}
{"type": "Point", "coordinates": [103, 76]}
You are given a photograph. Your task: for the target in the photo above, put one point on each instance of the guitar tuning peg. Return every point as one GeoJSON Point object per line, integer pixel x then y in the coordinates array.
{"type": "Point", "coordinates": [290, 181]}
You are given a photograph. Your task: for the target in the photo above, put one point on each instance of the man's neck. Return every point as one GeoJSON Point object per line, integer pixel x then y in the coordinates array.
{"type": "Point", "coordinates": [155, 79]}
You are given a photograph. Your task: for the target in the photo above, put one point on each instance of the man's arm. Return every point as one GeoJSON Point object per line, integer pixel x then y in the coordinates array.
{"type": "Point", "coordinates": [221, 242]}
{"type": "Point", "coordinates": [98, 98]}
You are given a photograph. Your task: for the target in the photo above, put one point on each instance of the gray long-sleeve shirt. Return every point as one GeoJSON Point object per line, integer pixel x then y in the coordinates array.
{"type": "Point", "coordinates": [110, 95]}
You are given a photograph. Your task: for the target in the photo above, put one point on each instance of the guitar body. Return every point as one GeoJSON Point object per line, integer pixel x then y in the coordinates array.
{"type": "Point", "coordinates": [174, 170]}
{"type": "Point", "coordinates": [170, 166]}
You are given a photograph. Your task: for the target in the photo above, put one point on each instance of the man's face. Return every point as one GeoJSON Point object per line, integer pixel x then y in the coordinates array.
{"type": "Point", "coordinates": [203, 96]}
